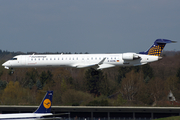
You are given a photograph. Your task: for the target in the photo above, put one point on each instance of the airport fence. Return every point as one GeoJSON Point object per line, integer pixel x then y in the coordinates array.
{"type": "Point", "coordinates": [115, 118]}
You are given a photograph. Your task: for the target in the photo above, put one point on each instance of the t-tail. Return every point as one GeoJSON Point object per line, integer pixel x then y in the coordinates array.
{"type": "Point", "coordinates": [157, 48]}
{"type": "Point", "coordinates": [45, 106]}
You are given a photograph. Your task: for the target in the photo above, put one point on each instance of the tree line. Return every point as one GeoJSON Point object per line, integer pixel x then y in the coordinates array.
{"type": "Point", "coordinates": [145, 85]}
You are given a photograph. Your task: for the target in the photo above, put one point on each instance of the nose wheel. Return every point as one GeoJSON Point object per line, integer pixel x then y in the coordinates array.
{"type": "Point", "coordinates": [12, 71]}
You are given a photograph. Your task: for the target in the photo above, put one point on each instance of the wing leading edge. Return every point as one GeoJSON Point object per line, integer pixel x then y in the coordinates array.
{"type": "Point", "coordinates": [97, 66]}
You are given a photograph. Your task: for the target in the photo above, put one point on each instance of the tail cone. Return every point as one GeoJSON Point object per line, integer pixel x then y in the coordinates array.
{"type": "Point", "coordinates": [159, 58]}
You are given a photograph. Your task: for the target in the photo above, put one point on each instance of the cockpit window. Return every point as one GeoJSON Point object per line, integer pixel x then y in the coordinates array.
{"type": "Point", "coordinates": [13, 58]}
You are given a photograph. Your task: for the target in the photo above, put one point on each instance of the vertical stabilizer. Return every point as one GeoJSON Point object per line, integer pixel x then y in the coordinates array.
{"type": "Point", "coordinates": [45, 106]}
{"type": "Point", "coordinates": [157, 47]}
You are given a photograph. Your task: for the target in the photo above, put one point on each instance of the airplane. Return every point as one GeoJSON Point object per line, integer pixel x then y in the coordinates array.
{"type": "Point", "coordinates": [43, 112]}
{"type": "Point", "coordinates": [98, 61]}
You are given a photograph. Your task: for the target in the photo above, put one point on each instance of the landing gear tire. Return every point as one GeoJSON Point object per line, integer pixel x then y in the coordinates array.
{"type": "Point", "coordinates": [12, 71]}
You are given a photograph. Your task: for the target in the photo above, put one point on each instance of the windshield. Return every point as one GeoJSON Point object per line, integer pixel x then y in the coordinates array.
{"type": "Point", "coordinates": [13, 59]}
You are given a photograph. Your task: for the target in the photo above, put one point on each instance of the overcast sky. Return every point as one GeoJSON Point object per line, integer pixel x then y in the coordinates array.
{"type": "Point", "coordinates": [93, 26]}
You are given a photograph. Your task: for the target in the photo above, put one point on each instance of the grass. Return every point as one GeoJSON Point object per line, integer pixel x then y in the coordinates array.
{"type": "Point", "coordinates": [169, 118]}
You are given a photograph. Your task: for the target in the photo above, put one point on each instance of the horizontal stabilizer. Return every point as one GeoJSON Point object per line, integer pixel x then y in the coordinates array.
{"type": "Point", "coordinates": [164, 41]}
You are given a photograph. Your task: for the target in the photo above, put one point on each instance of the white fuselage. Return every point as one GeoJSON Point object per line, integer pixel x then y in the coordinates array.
{"type": "Point", "coordinates": [23, 116]}
{"type": "Point", "coordinates": [99, 61]}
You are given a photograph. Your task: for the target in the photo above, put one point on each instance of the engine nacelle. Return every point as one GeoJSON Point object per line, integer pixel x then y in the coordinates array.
{"type": "Point", "coordinates": [130, 56]}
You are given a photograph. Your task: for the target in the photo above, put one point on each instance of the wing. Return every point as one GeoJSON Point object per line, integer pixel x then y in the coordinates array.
{"type": "Point", "coordinates": [53, 116]}
{"type": "Point", "coordinates": [86, 65]}
{"type": "Point", "coordinates": [103, 66]}
{"type": "Point", "coordinates": [95, 65]}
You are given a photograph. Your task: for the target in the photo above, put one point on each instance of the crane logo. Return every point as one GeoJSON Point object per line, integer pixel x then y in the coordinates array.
{"type": "Point", "coordinates": [47, 103]}
{"type": "Point", "coordinates": [156, 50]}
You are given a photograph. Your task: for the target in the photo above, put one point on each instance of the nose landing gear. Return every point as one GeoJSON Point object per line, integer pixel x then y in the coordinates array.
{"type": "Point", "coordinates": [12, 71]}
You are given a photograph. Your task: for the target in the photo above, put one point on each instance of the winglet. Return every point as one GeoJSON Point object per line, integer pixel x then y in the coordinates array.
{"type": "Point", "coordinates": [45, 106]}
{"type": "Point", "coordinates": [157, 47]}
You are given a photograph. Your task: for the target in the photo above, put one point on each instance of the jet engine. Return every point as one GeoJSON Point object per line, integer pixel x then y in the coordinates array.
{"type": "Point", "coordinates": [130, 56]}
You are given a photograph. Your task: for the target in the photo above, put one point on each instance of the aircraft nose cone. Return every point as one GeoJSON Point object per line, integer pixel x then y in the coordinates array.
{"type": "Point", "coordinates": [5, 65]}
